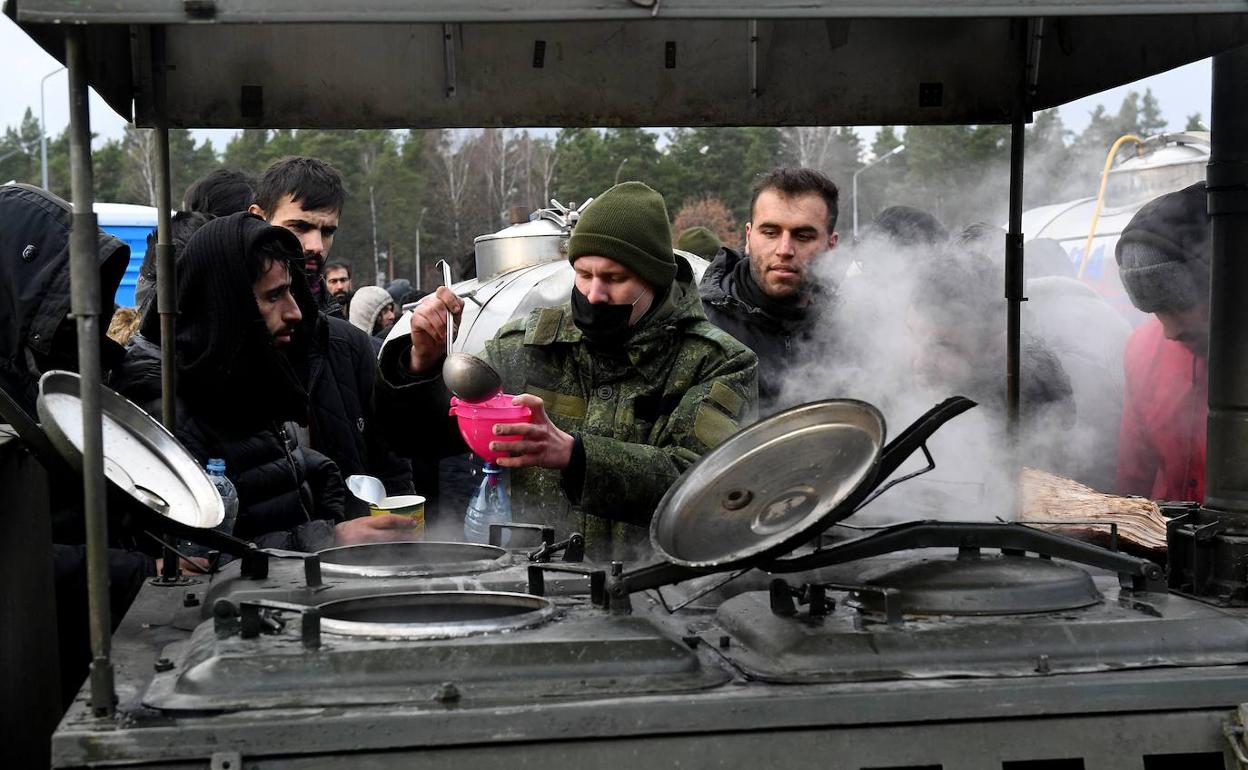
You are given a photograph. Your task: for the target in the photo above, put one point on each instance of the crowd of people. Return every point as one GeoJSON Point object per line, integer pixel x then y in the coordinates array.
{"type": "Point", "coordinates": [284, 371]}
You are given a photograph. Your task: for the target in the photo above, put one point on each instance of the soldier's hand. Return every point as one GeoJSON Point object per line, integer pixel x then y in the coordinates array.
{"type": "Point", "coordinates": [541, 442]}
{"type": "Point", "coordinates": [386, 527]}
{"type": "Point", "coordinates": [429, 328]}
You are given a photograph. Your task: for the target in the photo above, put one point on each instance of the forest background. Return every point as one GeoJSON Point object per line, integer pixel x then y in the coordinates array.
{"type": "Point", "coordinates": [430, 192]}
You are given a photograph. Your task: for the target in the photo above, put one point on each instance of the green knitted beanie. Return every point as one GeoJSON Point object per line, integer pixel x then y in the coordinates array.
{"type": "Point", "coordinates": [700, 241]}
{"type": "Point", "coordinates": [628, 224]}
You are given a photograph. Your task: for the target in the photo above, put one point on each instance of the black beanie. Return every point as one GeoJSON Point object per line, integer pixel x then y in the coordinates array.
{"type": "Point", "coordinates": [628, 224]}
{"type": "Point", "coordinates": [1164, 252]}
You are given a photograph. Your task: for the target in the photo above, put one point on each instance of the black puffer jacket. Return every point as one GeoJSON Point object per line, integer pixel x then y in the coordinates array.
{"type": "Point", "coordinates": [779, 343]}
{"type": "Point", "coordinates": [281, 485]}
{"type": "Point", "coordinates": [343, 368]}
{"type": "Point", "coordinates": [36, 332]}
{"type": "Point", "coordinates": [237, 392]}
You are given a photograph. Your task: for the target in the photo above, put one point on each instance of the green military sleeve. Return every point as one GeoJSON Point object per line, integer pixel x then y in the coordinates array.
{"type": "Point", "coordinates": [625, 480]}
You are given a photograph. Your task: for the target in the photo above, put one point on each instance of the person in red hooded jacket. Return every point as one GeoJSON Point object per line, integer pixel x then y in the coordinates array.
{"type": "Point", "coordinates": [1163, 258]}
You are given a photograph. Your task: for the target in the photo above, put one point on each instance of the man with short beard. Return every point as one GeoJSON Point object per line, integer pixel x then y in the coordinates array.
{"type": "Point", "coordinates": [305, 196]}
{"type": "Point", "coordinates": [245, 320]}
{"type": "Point", "coordinates": [768, 298]}
{"type": "Point", "coordinates": [1163, 259]}
{"type": "Point", "coordinates": [338, 281]}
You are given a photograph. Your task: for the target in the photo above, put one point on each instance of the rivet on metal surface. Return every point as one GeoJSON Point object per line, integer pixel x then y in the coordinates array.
{"type": "Point", "coordinates": [164, 664]}
{"type": "Point", "coordinates": [447, 693]}
{"type": "Point", "coordinates": [226, 760]}
{"type": "Point", "coordinates": [737, 499]}
{"type": "Point", "coordinates": [1043, 666]}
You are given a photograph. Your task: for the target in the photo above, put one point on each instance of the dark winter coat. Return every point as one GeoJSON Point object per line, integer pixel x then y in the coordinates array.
{"type": "Point", "coordinates": [281, 485]}
{"type": "Point", "coordinates": [236, 391]}
{"type": "Point", "coordinates": [342, 371]}
{"type": "Point", "coordinates": [778, 342]}
{"type": "Point", "coordinates": [681, 388]}
{"type": "Point", "coordinates": [36, 333]}
{"type": "Point", "coordinates": [1165, 415]}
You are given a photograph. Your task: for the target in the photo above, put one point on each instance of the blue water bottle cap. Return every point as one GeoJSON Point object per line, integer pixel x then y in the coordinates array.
{"type": "Point", "coordinates": [216, 465]}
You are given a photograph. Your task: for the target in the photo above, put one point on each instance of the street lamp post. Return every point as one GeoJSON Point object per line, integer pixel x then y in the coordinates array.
{"type": "Point", "coordinates": [618, 169]}
{"type": "Point", "coordinates": [43, 127]}
{"type": "Point", "coordinates": [895, 151]}
{"type": "Point", "coordinates": [419, 222]}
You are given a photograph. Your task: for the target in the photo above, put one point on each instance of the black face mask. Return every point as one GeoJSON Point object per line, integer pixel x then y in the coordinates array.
{"type": "Point", "coordinates": [604, 325]}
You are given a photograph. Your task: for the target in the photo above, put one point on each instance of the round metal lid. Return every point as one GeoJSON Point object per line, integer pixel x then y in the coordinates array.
{"type": "Point", "coordinates": [140, 456]}
{"type": "Point", "coordinates": [986, 585]}
{"type": "Point", "coordinates": [411, 559]}
{"type": "Point", "coordinates": [434, 614]}
{"type": "Point", "coordinates": [771, 486]}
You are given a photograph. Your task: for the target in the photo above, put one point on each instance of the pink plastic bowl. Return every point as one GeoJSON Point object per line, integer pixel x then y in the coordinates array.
{"type": "Point", "coordinates": [477, 421]}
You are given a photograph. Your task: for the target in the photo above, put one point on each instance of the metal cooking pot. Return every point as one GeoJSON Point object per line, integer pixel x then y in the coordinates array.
{"type": "Point", "coordinates": [534, 242]}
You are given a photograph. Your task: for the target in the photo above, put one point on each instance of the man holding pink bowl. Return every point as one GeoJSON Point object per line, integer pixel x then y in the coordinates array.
{"type": "Point", "coordinates": [626, 384]}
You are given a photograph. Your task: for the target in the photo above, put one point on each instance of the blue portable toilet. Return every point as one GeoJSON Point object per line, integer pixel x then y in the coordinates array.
{"type": "Point", "coordinates": [131, 224]}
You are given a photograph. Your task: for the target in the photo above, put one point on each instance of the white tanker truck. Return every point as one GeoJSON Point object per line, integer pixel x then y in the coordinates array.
{"type": "Point", "coordinates": [1088, 228]}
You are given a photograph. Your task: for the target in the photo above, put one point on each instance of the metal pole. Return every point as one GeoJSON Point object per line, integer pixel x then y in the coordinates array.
{"type": "Point", "coordinates": [86, 301]}
{"type": "Point", "coordinates": [854, 179]}
{"type": "Point", "coordinates": [1226, 487]}
{"type": "Point", "coordinates": [1014, 280]}
{"type": "Point", "coordinates": [166, 297]}
{"type": "Point", "coordinates": [43, 127]}
{"type": "Point", "coordinates": [420, 222]}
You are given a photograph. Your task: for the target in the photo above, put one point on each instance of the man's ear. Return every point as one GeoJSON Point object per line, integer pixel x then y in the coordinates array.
{"type": "Point", "coordinates": [833, 238]}
{"type": "Point", "coordinates": [254, 209]}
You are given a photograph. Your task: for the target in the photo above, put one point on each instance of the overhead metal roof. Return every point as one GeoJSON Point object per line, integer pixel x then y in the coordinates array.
{"type": "Point", "coordinates": [387, 63]}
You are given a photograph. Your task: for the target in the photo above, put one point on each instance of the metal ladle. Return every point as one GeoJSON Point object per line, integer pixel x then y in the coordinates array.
{"type": "Point", "coordinates": [465, 375]}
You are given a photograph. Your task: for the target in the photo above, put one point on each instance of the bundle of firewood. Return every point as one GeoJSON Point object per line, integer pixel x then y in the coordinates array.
{"type": "Point", "coordinates": [1054, 502]}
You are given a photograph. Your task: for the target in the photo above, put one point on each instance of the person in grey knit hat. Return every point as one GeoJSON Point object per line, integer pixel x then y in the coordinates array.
{"type": "Point", "coordinates": [372, 310]}
{"type": "Point", "coordinates": [627, 382]}
{"type": "Point", "coordinates": [1163, 259]}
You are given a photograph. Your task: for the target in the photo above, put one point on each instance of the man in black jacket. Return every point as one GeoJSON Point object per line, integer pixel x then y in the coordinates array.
{"type": "Point", "coordinates": [306, 196]}
{"type": "Point", "coordinates": [246, 320]}
{"type": "Point", "coordinates": [768, 298]}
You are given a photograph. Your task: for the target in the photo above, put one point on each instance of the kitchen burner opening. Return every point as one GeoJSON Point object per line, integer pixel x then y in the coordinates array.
{"type": "Point", "coordinates": [411, 559]}
{"type": "Point", "coordinates": [434, 614]}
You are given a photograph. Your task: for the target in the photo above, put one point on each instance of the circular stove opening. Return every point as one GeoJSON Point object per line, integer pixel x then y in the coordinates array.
{"type": "Point", "coordinates": [411, 559]}
{"type": "Point", "coordinates": [434, 614]}
{"type": "Point", "coordinates": [984, 585]}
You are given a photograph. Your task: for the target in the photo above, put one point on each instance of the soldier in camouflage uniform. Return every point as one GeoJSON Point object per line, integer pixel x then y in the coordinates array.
{"type": "Point", "coordinates": [628, 383]}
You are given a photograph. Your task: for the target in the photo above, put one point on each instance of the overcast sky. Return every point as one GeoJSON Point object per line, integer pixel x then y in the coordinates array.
{"type": "Point", "coordinates": [1180, 92]}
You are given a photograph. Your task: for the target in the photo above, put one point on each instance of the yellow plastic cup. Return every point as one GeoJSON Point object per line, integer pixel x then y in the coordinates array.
{"type": "Point", "coordinates": [410, 506]}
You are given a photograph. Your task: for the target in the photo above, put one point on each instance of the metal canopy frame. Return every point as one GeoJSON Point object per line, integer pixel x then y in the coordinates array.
{"type": "Point", "coordinates": [445, 63]}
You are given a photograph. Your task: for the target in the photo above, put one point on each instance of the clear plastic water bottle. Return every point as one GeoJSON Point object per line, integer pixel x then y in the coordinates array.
{"type": "Point", "coordinates": [229, 496]}
{"type": "Point", "coordinates": [489, 505]}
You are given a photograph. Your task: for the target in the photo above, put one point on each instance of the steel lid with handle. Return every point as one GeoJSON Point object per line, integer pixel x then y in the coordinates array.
{"type": "Point", "coordinates": [140, 456]}
{"type": "Point", "coordinates": [146, 462]}
{"type": "Point", "coordinates": [776, 485]}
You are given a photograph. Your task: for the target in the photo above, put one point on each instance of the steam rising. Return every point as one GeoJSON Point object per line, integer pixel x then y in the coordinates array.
{"type": "Point", "coordinates": [913, 325]}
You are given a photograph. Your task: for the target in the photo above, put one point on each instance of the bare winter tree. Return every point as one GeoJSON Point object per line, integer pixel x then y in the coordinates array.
{"type": "Point", "coordinates": [140, 148]}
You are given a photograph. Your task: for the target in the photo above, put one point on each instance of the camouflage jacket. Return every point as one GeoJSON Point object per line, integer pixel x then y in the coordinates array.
{"type": "Point", "coordinates": [679, 388]}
